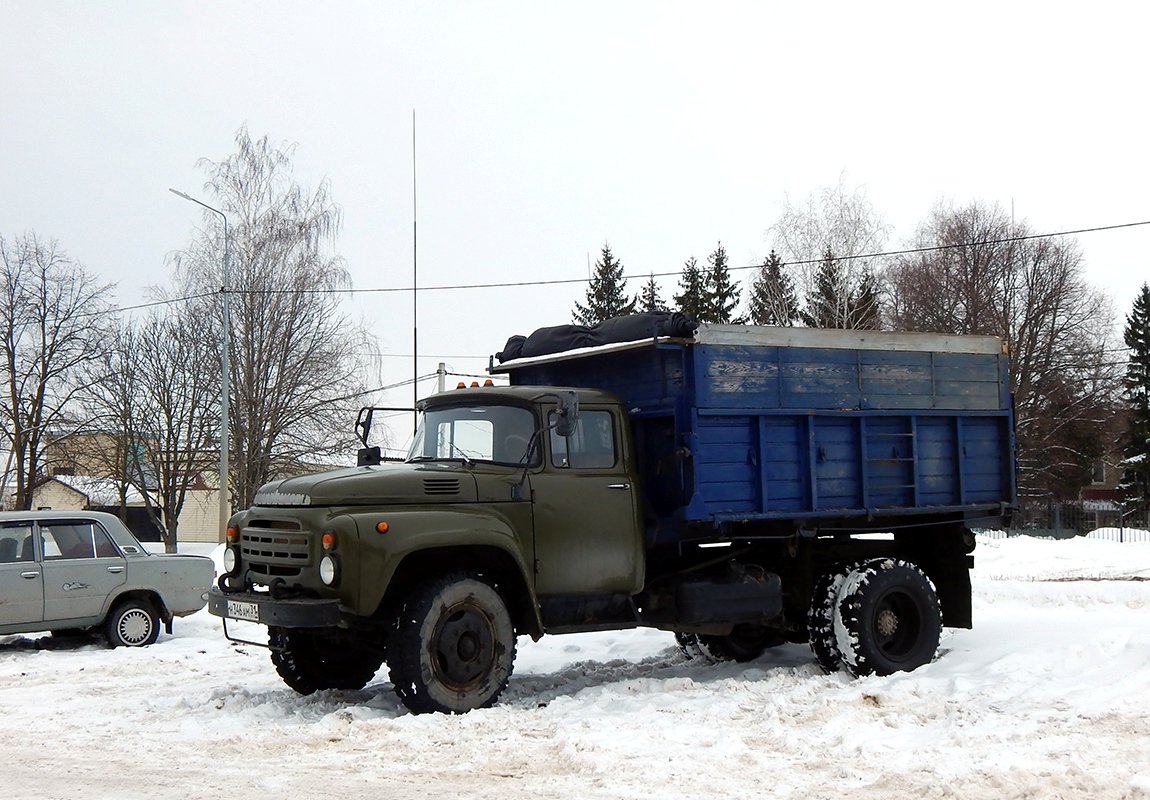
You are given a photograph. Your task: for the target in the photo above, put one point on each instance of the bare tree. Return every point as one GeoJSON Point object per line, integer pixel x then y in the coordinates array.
{"type": "Point", "coordinates": [53, 322]}
{"type": "Point", "coordinates": [984, 275]}
{"type": "Point", "coordinates": [164, 414]}
{"type": "Point", "coordinates": [105, 447]}
{"type": "Point", "coordinates": [843, 225]}
{"type": "Point", "coordinates": [296, 366]}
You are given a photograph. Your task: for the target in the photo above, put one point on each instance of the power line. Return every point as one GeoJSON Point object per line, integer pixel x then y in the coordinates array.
{"type": "Point", "coordinates": [885, 254]}
{"type": "Point", "coordinates": [567, 281]}
{"type": "Point", "coordinates": [396, 385]}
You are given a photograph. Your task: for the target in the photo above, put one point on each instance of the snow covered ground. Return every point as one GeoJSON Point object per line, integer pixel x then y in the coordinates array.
{"type": "Point", "coordinates": [1048, 696]}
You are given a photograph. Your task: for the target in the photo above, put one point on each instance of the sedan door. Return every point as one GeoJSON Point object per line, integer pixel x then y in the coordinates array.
{"type": "Point", "coordinates": [21, 579]}
{"type": "Point", "coordinates": [81, 568]}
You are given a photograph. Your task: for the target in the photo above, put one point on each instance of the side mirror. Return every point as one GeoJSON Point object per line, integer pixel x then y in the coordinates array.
{"type": "Point", "coordinates": [369, 457]}
{"type": "Point", "coordinates": [363, 424]}
{"type": "Point", "coordinates": [567, 414]}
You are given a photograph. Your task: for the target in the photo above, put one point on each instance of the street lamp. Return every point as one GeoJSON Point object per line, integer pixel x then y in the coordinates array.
{"type": "Point", "coordinates": [225, 435]}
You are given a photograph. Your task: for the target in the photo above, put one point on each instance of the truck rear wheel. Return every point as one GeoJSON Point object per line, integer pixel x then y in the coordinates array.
{"type": "Point", "coordinates": [888, 618]}
{"type": "Point", "coordinates": [453, 647]}
{"type": "Point", "coordinates": [821, 622]}
{"type": "Point", "coordinates": [310, 660]}
{"type": "Point", "coordinates": [689, 645]}
{"type": "Point", "coordinates": [745, 642]}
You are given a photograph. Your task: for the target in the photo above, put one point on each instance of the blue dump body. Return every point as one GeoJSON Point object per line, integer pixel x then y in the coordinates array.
{"type": "Point", "coordinates": [745, 423]}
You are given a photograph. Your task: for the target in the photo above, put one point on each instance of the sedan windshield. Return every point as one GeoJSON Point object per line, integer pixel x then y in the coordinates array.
{"type": "Point", "coordinates": [495, 433]}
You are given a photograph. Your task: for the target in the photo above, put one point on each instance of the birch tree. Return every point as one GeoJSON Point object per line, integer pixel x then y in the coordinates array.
{"type": "Point", "coordinates": [298, 369]}
{"type": "Point", "coordinates": [830, 240]}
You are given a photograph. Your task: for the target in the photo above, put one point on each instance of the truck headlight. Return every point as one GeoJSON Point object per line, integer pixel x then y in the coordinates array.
{"type": "Point", "coordinates": [231, 559]}
{"type": "Point", "coordinates": [329, 569]}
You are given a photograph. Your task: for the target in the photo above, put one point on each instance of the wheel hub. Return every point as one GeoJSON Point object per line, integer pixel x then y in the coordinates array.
{"type": "Point", "coordinates": [468, 646]}
{"type": "Point", "coordinates": [886, 623]}
{"type": "Point", "coordinates": [463, 647]}
{"type": "Point", "coordinates": [135, 627]}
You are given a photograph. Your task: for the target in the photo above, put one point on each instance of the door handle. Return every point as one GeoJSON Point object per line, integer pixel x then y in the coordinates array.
{"type": "Point", "coordinates": [29, 574]}
{"type": "Point", "coordinates": [618, 486]}
{"type": "Point", "coordinates": [115, 569]}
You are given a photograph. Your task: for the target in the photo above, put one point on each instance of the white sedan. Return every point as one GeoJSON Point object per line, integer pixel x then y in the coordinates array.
{"type": "Point", "coordinates": [69, 571]}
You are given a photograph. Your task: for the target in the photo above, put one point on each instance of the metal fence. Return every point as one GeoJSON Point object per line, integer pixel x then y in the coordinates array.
{"type": "Point", "coordinates": [1065, 520]}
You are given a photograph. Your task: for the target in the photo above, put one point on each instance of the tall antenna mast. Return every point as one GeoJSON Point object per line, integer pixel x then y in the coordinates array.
{"type": "Point", "coordinates": [414, 282]}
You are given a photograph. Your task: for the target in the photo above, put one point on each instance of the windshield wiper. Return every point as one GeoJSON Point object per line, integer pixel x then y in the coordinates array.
{"type": "Point", "coordinates": [457, 455]}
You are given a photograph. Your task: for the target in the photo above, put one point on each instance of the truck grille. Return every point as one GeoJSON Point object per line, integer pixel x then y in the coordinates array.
{"type": "Point", "coordinates": [274, 553]}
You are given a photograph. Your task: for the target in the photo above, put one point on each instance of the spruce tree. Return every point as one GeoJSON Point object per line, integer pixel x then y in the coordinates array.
{"type": "Point", "coordinates": [838, 301]}
{"type": "Point", "coordinates": [1136, 450]}
{"type": "Point", "coordinates": [828, 297]}
{"type": "Point", "coordinates": [606, 294]}
{"type": "Point", "coordinates": [773, 300]}
{"type": "Point", "coordinates": [648, 299]}
{"type": "Point", "coordinates": [723, 295]}
{"type": "Point", "coordinates": [693, 299]}
{"type": "Point", "coordinates": [863, 312]}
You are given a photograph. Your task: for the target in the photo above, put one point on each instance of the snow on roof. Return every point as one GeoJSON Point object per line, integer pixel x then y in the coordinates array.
{"type": "Point", "coordinates": [99, 491]}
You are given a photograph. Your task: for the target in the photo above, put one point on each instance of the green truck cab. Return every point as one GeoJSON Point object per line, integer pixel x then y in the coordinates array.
{"type": "Point", "coordinates": [493, 508]}
{"type": "Point", "coordinates": [742, 487]}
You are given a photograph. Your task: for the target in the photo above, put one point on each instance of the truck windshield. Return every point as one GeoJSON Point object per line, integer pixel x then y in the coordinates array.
{"type": "Point", "coordinates": [495, 433]}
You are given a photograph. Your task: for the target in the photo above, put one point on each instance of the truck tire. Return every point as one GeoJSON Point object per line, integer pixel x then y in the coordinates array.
{"type": "Point", "coordinates": [821, 622]}
{"type": "Point", "coordinates": [132, 623]}
{"type": "Point", "coordinates": [745, 643]}
{"type": "Point", "coordinates": [453, 647]}
{"type": "Point", "coordinates": [689, 645]}
{"type": "Point", "coordinates": [887, 618]}
{"type": "Point", "coordinates": [310, 660]}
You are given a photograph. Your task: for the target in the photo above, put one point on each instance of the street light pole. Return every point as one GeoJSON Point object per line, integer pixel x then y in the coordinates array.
{"type": "Point", "coordinates": [225, 368]}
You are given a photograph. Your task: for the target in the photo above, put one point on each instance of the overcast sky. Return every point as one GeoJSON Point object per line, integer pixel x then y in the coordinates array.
{"type": "Point", "coordinates": [547, 129]}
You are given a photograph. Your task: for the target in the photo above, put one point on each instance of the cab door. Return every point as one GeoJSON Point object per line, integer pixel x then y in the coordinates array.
{"type": "Point", "coordinates": [21, 579]}
{"type": "Point", "coordinates": [588, 531]}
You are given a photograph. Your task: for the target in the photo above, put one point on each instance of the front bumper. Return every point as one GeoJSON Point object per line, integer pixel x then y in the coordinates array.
{"type": "Point", "coordinates": [260, 607]}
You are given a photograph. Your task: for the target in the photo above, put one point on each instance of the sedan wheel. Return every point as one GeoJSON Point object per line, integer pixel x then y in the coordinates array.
{"type": "Point", "coordinates": [132, 623]}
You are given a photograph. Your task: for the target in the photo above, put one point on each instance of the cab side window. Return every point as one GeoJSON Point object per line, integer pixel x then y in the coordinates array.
{"type": "Point", "coordinates": [592, 446]}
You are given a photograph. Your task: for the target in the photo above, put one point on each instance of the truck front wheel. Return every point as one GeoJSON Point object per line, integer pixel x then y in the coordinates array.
{"type": "Point", "coordinates": [453, 647]}
{"type": "Point", "coordinates": [310, 660]}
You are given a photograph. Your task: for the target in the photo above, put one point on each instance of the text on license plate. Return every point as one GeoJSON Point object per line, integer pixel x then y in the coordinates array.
{"type": "Point", "coordinates": [241, 610]}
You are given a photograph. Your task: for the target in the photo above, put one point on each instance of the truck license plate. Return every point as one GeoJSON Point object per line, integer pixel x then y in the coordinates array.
{"type": "Point", "coordinates": [240, 610]}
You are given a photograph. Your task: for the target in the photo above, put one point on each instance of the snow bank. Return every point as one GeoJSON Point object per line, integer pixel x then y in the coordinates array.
{"type": "Point", "coordinates": [1047, 696]}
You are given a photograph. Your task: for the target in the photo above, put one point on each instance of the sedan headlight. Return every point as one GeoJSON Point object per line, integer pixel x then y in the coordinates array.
{"type": "Point", "coordinates": [329, 569]}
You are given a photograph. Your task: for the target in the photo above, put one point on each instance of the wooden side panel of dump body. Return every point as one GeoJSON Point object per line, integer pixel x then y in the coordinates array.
{"type": "Point", "coordinates": [812, 426]}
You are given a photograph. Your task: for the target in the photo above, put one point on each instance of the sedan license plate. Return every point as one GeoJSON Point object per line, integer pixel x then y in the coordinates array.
{"type": "Point", "coordinates": [241, 610]}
